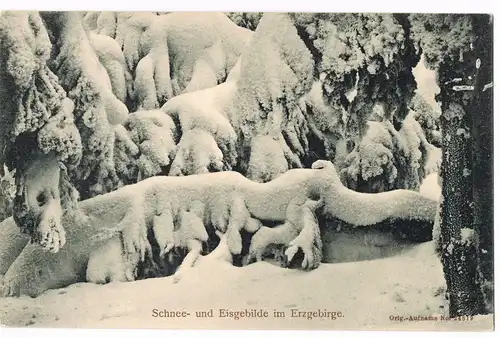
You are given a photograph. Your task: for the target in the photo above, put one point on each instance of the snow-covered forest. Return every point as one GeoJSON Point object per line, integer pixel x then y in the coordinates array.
{"type": "Point", "coordinates": [281, 159]}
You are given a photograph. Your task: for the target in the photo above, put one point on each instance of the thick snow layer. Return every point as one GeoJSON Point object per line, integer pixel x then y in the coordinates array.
{"type": "Point", "coordinates": [367, 293]}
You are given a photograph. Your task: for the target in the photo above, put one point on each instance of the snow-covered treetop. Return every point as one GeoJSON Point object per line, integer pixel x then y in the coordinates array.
{"type": "Point", "coordinates": [441, 36]}
{"type": "Point", "coordinates": [248, 20]}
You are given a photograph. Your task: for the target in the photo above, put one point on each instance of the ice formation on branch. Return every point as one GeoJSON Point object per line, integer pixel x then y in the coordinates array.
{"type": "Point", "coordinates": [310, 86]}
{"type": "Point", "coordinates": [97, 108]}
{"type": "Point", "coordinates": [101, 23]}
{"type": "Point", "coordinates": [266, 159]}
{"type": "Point", "coordinates": [33, 102]}
{"type": "Point", "coordinates": [144, 37]}
{"type": "Point", "coordinates": [373, 159]}
{"type": "Point", "coordinates": [233, 112]}
{"type": "Point", "coordinates": [359, 61]}
{"type": "Point", "coordinates": [365, 69]}
{"type": "Point", "coordinates": [156, 47]}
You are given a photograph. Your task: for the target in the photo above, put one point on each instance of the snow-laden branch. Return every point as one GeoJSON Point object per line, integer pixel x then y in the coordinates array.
{"type": "Point", "coordinates": [224, 201]}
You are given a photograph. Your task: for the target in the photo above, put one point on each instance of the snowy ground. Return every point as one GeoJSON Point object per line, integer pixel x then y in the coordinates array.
{"type": "Point", "coordinates": [368, 293]}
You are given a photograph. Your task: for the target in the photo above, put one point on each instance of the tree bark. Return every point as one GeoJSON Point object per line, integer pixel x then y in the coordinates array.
{"type": "Point", "coordinates": [466, 211]}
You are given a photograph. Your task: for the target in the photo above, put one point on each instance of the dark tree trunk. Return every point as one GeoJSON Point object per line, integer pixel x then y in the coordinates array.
{"type": "Point", "coordinates": [466, 215]}
{"type": "Point", "coordinates": [482, 136]}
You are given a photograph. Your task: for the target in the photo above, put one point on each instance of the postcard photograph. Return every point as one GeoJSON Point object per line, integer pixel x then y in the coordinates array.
{"type": "Point", "coordinates": [246, 170]}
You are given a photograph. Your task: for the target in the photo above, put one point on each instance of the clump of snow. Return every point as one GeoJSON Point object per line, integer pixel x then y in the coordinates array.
{"type": "Point", "coordinates": [428, 32]}
{"type": "Point", "coordinates": [454, 110]}
{"type": "Point", "coordinates": [130, 28]}
{"type": "Point", "coordinates": [462, 131]}
{"type": "Point", "coordinates": [152, 81]}
{"type": "Point", "coordinates": [285, 74]}
{"type": "Point", "coordinates": [192, 227]}
{"type": "Point", "coordinates": [96, 108]}
{"type": "Point", "coordinates": [190, 235]}
{"type": "Point", "coordinates": [60, 134]}
{"type": "Point", "coordinates": [468, 235]}
{"type": "Point", "coordinates": [372, 208]}
{"type": "Point", "coordinates": [101, 23]}
{"type": "Point", "coordinates": [50, 233]}
{"type": "Point", "coordinates": [334, 37]}
{"type": "Point", "coordinates": [197, 153]}
{"type": "Point", "coordinates": [82, 65]}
